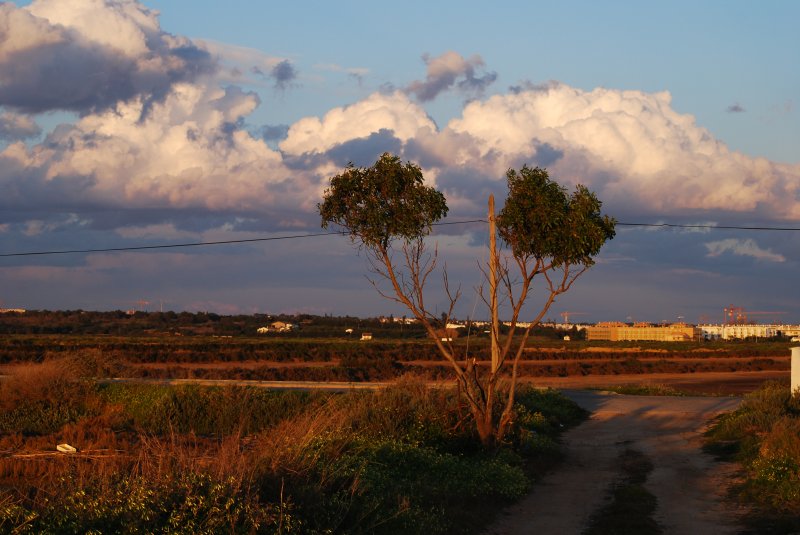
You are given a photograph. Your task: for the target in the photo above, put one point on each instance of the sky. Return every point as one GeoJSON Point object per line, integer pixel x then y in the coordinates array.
{"type": "Point", "coordinates": [129, 124]}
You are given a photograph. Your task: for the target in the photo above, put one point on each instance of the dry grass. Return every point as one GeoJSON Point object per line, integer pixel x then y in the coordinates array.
{"type": "Point", "coordinates": [29, 382]}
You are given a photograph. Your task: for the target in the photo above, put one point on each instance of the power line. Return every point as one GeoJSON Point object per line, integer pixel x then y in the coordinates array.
{"type": "Point", "coordinates": [344, 233]}
{"type": "Point", "coordinates": [200, 244]}
{"type": "Point", "coordinates": [710, 227]}
{"type": "Point", "coordinates": [167, 246]}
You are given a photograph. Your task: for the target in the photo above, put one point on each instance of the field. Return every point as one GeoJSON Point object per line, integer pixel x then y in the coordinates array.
{"type": "Point", "coordinates": [163, 459]}
{"type": "Point", "coordinates": [160, 458]}
{"type": "Point", "coordinates": [717, 368]}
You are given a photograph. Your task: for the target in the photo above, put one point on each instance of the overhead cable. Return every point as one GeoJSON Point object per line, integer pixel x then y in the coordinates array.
{"type": "Point", "coordinates": [344, 233]}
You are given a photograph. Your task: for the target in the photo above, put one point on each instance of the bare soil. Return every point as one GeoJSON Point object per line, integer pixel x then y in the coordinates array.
{"type": "Point", "coordinates": [688, 484]}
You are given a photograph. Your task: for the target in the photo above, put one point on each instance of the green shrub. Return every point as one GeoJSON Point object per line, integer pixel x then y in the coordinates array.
{"type": "Point", "coordinates": [393, 487]}
{"type": "Point", "coordinates": [188, 504]}
{"type": "Point", "coordinates": [41, 398]}
{"type": "Point", "coordinates": [764, 435]}
{"type": "Point", "coordinates": [560, 411]}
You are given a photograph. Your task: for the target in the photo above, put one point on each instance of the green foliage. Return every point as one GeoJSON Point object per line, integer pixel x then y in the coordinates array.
{"type": "Point", "coordinates": [559, 411]}
{"type": "Point", "coordinates": [396, 487]}
{"type": "Point", "coordinates": [764, 435]}
{"type": "Point", "coordinates": [188, 504]}
{"type": "Point", "coordinates": [380, 203]}
{"type": "Point", "coordinates": [41, 417]}
{"type": "Point", "coordinates": [540, 220]}
{"type": "Point", "coordinates": [646, 390]}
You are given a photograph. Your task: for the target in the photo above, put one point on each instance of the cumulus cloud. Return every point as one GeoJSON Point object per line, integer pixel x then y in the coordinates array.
{"type": "Point", "coordinates": [742, 248]}
{"type": "Point", "coordinates": [393, 112]}
{"type": "Point", "coordinates": [631, 147]}
{"type": "Point", "coordinates": [188, 153]}
{"type": "Point", "coordinates": [89, 55]}
{"type": "Point", "coordinates": [159, 144]}
{"type": "Point", "coordinates": [14, 126]}
{"type": "Point", "coordinates": [449, 70]}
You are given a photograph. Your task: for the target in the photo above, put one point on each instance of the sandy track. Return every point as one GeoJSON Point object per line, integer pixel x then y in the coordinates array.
{"type": "Point", "coordinates": [688, 484]}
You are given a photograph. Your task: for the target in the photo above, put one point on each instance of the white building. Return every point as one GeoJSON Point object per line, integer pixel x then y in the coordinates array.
{"type": "Point", "coordinates": [729, 332]}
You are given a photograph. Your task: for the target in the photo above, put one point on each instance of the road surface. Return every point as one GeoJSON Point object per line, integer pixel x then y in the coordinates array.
{"type": "Point", "coordinates": [688, 483]}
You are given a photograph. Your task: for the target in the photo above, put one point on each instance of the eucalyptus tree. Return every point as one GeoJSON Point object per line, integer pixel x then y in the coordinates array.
{"type": "Point", "coordinates": [545, 234]}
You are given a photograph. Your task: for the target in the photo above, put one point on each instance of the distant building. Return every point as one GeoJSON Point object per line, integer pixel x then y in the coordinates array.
{"type": "Point", "coordinates": [618, 332]}
{"type": "Point", "coordinates": [741, 331]}
{"type": "Point", "coordinates": [12, 311]}
{"type": "Point", "coordinates": [277, 327]}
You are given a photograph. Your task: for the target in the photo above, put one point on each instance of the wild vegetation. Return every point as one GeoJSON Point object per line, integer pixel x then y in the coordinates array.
{"type": "Point", "coordinates": [763, 434]}
{"type": "Point", "coordinates": [155, 459]}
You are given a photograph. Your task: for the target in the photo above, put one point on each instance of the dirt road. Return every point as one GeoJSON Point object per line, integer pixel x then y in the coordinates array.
{"type": "Point", "coordinates": [688, 484]}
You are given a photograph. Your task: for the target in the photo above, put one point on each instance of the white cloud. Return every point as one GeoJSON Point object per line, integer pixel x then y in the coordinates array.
{"type": "Point", "coordinates": [158, 133]}
{"type": "Point", "coordinates": [742, 248]}
{"type": "Point", "coordinates": [161, 231]}
{"type": "Point", "coordinates": [393, 112]}
{"type": "Point", "coordinates": [630, 147]}
{"type": "Point", "coordinates": [123, 25]}
{"type": "Point", "coordinates": [87, 55]}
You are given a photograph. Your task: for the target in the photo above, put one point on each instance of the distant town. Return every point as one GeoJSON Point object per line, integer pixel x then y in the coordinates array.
{"type": "Point", "coordinates": [736, 327]}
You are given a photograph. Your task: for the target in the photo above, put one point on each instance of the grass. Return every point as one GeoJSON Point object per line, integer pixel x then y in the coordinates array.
{"type": "Point", "coordinates": [644, 390]}
{"type": "Point", "coordinates": [154, 459]}
{"type": "Point", "coordinates": [631, 506]}
{"type": "Point", "coordinates": [763, 434]}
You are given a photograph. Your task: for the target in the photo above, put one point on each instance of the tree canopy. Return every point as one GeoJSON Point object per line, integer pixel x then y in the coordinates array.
{"type": "Point", "coordinates": [542, 221]}
{"type": "Point", "coordinates": [380, 203]}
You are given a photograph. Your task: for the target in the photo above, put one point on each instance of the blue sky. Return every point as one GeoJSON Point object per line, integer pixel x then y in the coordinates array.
{"type": "Point", "coordinates": [224, 120]}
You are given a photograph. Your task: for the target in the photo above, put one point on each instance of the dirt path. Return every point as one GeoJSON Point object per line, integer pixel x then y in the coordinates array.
{"type": "Point", "coordinates": [688, 484]}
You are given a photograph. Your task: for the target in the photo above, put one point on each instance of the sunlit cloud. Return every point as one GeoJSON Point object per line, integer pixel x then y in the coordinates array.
{"type": "Point", "coordinates": [88, 55]}
{"type": "Point", "coordinates": [742, 248]}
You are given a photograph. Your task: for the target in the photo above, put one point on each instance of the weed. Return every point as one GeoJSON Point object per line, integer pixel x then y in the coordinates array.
{"type": "Point", "coordinates": [763, 434]}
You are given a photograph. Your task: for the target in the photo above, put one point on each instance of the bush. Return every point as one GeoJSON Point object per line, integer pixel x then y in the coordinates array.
{"type": "Point", "coordinates": [764, 435]}
{"type": "Point", "coordinates": [188, 504]}
{"type": "Point", "coordinates": [41, 398]}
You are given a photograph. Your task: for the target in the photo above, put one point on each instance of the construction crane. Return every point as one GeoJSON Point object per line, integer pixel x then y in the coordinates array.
{"type": "Point", "coordinates": [734, 315]}
{"type": "Point", "coordinates": [566, 315]}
